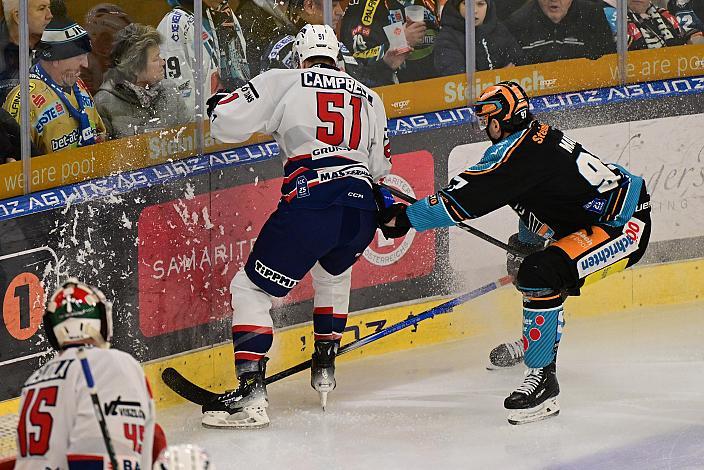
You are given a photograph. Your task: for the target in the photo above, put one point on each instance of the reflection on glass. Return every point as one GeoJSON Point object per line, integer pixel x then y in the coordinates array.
{"type": "Point", "coordinates": [38, 17]}
{"type": "Point", "coordinates": [495, 46]}
{"type": "Point", "coordinates": [652, 27]}
{"type": "Point", "coordinates": [369, 27]}
{"type": "Point", "coordinates": [223, 47]}
{"type": "Point", "coordinates": [549, 30]}
{"type": "Point", "coordinates": [62, 113]}
{"type": "Point", "coordinates": [102, 22]}
{"type": "Point", "coordinates": [133, 98]}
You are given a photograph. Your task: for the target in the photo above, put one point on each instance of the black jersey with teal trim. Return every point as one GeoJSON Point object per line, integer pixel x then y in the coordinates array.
{"type": "Point", "coordinates": [554, 184]}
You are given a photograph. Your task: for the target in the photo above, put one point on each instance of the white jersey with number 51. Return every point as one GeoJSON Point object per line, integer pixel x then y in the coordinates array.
{"type": "Point", "coordinates": [328, 126]}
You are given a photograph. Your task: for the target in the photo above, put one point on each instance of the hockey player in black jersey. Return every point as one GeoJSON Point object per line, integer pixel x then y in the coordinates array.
{"type": "Point", "coordinates": [594, 219]}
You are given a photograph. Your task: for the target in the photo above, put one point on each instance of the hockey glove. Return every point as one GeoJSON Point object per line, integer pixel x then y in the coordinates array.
{"type": "Point", "coordinates": [214, 100]}
{"type": "Point", "coordinates": [513, 262]}
{"type": "Point", "coordinates": [396, 212]}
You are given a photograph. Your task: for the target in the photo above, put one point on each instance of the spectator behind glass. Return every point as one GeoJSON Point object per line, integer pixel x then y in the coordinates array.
{"type": "Point", "coordinates": [134, 98]}
{"type": "Point", "coordinates": [363, 33]}
{"type": "Point", "coordinates": [690, 15]}
{"type": "Point", "coordinates": [39, 16]}
{"type": "Point", "coordinates": [495, 47]}
{"type": "Point", "coordinates": [58, 8]}
{"type": "Point", "coordinates": [650, 27]}
{"type": "Point", "coordinates": [224, 48]}
{"type": "Point", "coordinates": [102, 22]}
{"type": "Point", "coordinates": [10, 145]}
{"type": "Point", "coordinates": [279, 54]}
{"type": "Point", "coordinates": [549, 30]}
{"type": "Point", "coordinates": [61, 112]}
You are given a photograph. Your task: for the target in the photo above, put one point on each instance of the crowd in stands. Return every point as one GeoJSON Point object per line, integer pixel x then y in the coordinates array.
{"type": "Point", "coordinates": [108, 76]}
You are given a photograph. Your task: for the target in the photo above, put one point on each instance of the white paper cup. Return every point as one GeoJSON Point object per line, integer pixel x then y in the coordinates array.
{"type": "Point", "coordinates": [415, 13]}
{"type": "Point", "coordinates": [397, 36]}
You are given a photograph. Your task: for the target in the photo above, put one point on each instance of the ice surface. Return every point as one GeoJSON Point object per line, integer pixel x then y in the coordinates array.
{"type": "Point", "coordinates": [632, 397]}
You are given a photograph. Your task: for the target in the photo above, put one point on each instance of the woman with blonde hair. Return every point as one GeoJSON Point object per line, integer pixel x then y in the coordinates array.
{"type": "Point", "coordinates": [134, 98]}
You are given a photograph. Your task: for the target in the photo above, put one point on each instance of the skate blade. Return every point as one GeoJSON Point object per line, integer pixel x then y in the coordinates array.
{"type": "Point", "coordinates": [248, 418]}
{"type": "Point", "coordinates": [323, 400]}
{"type": "Point", "coordinates": [547, 409]}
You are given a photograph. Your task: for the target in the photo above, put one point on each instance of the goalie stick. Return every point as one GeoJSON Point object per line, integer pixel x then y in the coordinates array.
{"type": "Point", "coordinates": [196, 394]}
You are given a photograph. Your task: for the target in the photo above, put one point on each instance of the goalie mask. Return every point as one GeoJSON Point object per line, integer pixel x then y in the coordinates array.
{"type": "Point", "coordinates": [76, 314]}
{"type": "Point", "coordinates": [315, 40]}
{"type": "Point", "coordinates": [183, 457]}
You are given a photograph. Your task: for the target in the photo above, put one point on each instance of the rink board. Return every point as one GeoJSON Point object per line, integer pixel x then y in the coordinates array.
{"type": "Point", "coordinates": [135, 234]}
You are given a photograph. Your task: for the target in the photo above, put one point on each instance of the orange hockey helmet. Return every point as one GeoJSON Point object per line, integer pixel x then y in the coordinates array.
{"type": "Point", "coordinates": [507, 103]}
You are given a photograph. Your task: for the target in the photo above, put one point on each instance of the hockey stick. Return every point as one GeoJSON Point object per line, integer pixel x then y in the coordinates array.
{"type": "Point", "coordinates": [81, 355]}
{"type": "Point", "coordinates": [192, 392]}
{"type": "Point", "coordinates": [477, 233]}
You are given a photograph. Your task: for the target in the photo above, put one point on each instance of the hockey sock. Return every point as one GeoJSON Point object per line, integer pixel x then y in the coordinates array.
{"type": "Point", "coordinates": [251, 343]}
{"type": "Point", "coordinates": [327, 325]}
{"type": "Point", "coordinates": [543, 320]}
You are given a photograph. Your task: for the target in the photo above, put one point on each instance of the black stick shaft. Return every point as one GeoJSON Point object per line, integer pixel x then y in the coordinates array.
{"type": "Point", "coordinates": [85, 366]}
{"type": "Point", "coordinates": [410, 321]}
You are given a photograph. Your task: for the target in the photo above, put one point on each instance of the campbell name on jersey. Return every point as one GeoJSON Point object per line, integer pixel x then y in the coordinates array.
{"type": "Point", "coordinates": [332, 149]}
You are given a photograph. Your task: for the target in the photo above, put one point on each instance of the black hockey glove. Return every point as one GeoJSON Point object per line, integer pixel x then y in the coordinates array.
{"type": "Point", "coordinates": [513, 262]}
{"type": "Point", "coordinates": [402, 225]}
{"type": "Point", "coordinates": [214, 100]}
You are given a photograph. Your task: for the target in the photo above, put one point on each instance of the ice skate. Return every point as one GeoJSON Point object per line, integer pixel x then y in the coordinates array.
{"type": "Point", "coordinates": [322, 369]}
{"type": "Point", "coordinates": [506, 355]}
{"type": "Point", "coordinates": [536, 398]}
{"type": "Point", "coordinates": [243, 408]}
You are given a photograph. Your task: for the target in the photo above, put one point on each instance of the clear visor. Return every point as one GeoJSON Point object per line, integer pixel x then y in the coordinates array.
{"type": "Point", "coordinates": [483, 122]}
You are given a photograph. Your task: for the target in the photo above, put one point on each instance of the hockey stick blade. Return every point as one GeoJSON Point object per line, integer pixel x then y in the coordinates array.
{"type": "Point", "coordinates": [185, 388]}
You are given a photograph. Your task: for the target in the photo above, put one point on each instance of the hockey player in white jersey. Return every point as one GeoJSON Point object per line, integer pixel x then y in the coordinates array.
{"type": "Point", "coordinates": [331, 132]}
{"type": "Point", "coordinates": [223, 43]}
{"type": "Point", "coordinates": [57, 428]}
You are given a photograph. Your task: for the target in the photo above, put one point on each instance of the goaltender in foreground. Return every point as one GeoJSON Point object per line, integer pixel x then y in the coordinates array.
{"type": "Point", "coordinates": [331, 132]}
{"type": "Point", "coordinates": [595, 218]}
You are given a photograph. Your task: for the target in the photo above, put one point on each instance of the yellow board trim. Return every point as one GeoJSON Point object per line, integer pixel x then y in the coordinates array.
{"type": "Point", "coordinates": [647, 286]}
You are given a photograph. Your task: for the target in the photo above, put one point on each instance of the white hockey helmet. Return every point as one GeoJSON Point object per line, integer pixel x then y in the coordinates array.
{"type": "Point", "coordinates": [183, 457]}
{"type": "Point", "coordinates": [315, 40]}
{"type": "Point", "coordinates": [77, 313]}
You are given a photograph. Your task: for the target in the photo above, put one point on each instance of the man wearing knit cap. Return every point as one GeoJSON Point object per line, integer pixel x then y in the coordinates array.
{"type": "Point", "coordinates": [62, 111]}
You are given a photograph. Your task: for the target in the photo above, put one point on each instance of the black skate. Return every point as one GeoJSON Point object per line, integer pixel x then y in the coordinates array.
{"type": "Point", "coordinates": [506, 355]}
{"type": "Point", "coordinates": [243, 408]}
{"type": "Point", "coordinates": [536, 398]}
{"type": "Point", "coordinates": [322, 369]}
